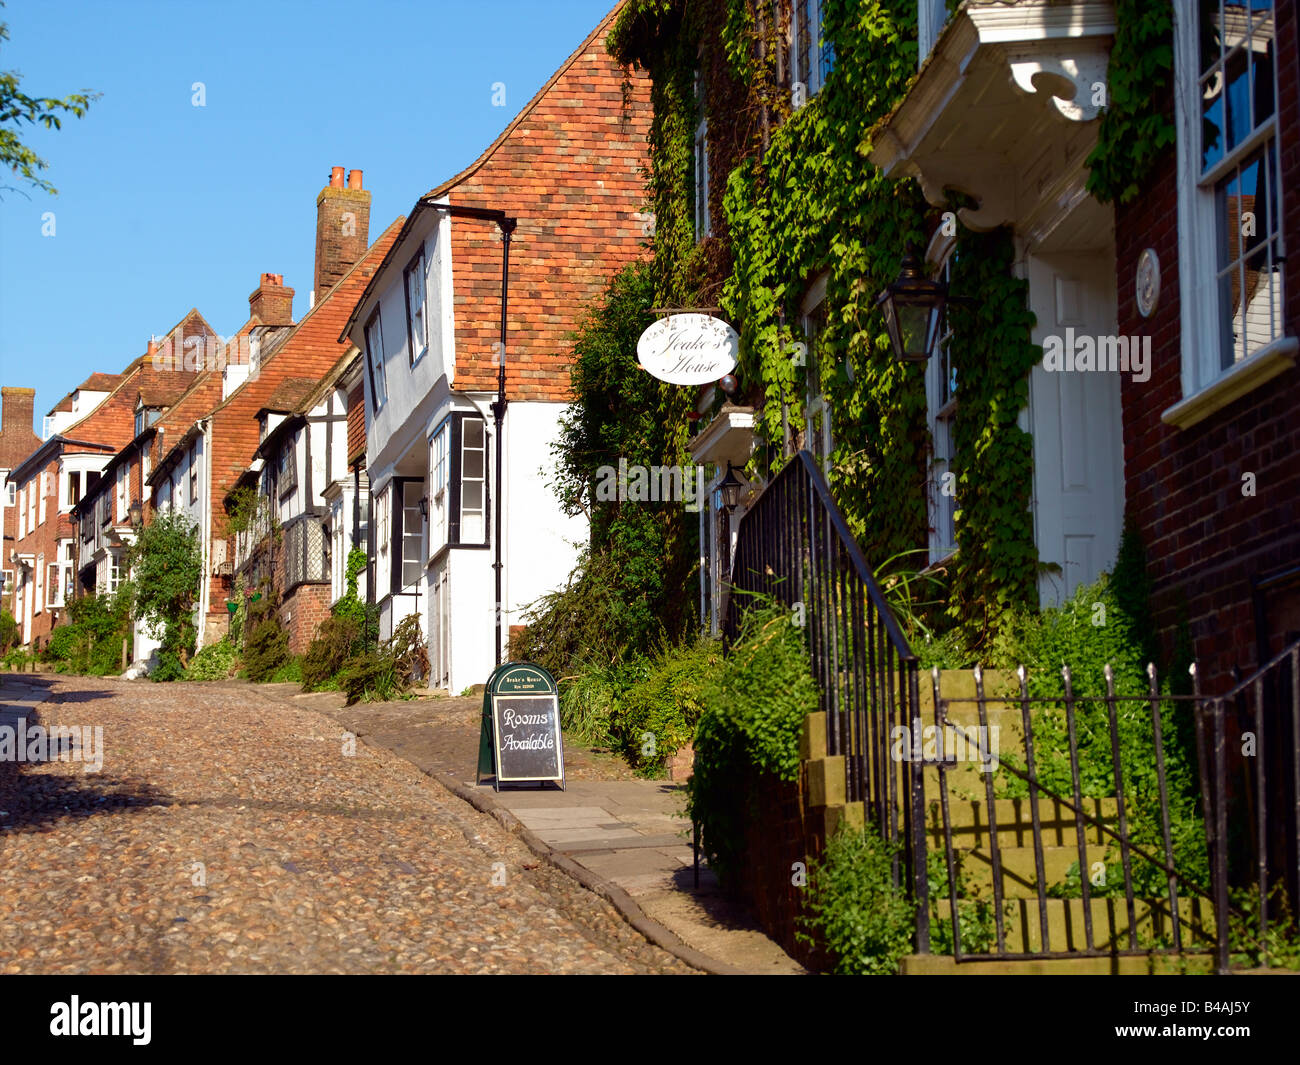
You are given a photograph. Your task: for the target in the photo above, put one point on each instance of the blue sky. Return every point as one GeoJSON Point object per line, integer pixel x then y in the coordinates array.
{"type": "Point", "coordinates": [164, 206]}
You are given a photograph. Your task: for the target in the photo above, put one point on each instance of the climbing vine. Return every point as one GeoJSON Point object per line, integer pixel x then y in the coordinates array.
{"type": "Point", "coordinates": [796, 198]}
{"type": "Point", "coordinates": [1137, 125]}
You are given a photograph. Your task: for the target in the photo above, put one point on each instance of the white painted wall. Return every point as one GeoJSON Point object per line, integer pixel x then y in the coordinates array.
{"type": "Point", "coordinates": [541, 542]}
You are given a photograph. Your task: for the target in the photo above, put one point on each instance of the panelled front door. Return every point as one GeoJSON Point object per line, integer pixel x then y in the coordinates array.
{"type": "Point", "coordinates": [1075, 420]}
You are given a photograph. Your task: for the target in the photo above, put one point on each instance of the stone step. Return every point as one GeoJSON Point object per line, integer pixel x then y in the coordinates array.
{"type": "Point", "coordinates": [1019, 876]}
{"type": "Point", "coordinates": [1110, 965]}
{"type": "Point", "coordinates": [969, 822]}
{"type": "Point", "coordinates": [1022, 928]}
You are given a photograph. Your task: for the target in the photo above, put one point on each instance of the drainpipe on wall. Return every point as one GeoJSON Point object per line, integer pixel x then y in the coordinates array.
{"type": "Point", "coordinates": [205, 528]}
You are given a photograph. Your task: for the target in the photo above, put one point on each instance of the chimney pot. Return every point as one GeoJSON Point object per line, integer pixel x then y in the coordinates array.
{"type": "Point", "coordinates": [153, 347]}
{"type": "Point", "coordinates": [336, 177]}
{"type": "Point", "coordinates": [271, 303]}
{"type": "Point", "coordinates": [354, 179]}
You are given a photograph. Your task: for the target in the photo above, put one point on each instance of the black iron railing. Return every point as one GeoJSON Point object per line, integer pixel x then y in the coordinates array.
{"type": "Point", "coordinates": [1162, 890]}
{"type": "Point", "coordinates": [794, 546]}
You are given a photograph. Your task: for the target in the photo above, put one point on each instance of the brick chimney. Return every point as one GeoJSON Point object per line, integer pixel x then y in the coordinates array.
{"type": "Point", "coordinates": [272, 302]}
{"type": "Point", "coordinates": [16, 408]}
{"type": "Point", "coordinates": [342, 229]}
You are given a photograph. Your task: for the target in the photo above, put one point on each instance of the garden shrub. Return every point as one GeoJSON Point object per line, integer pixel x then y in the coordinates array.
{"type": "Point", "coordinates": [9, 631]}
{"type": "Point", "coordinates": [287, 672]}
{"type": "Point", "coordinates": [217, 661]}
{"type": "Point", "coordinates": [166, 567]}
{"type": "Point", "coordinates": [657, 714]}
{"type": "Point", "coordinates": [337, 639]}
{"type": "Point", "coordinates": [266, 644]}
{"type": "Point", "coordinates": [853, 907]}
{"type": "Point", "coordinates": [390, 671]}
{"type": "Point", "coordinates": [91, 640]}
{"type": "Point", "coordinates": [754, 705]}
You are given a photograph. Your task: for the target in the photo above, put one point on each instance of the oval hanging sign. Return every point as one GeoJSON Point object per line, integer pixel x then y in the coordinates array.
{"type": "Point", "coordinates": [688, 349]}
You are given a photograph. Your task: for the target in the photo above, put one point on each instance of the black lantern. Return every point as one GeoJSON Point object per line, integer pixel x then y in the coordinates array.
{"type": "Point", "coordinates": [136, 512]}
{"type": "Point", "coordinates": [730, 487]}
{"type": "Point", "coordinates": [913, 307]}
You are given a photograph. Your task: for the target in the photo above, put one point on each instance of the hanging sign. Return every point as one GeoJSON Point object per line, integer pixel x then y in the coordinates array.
{"type": "Point", "coordinates": [688, 349]}
{"type": "Point", "coordinates": [521, 708]}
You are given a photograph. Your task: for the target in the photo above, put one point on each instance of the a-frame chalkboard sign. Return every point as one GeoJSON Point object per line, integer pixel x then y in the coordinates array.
{"type": "Point", "coordinates": [520, 740]}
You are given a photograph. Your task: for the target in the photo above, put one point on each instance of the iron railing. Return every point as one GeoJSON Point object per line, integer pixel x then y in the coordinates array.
{"type": "Point", "coordinates": [794, 546]}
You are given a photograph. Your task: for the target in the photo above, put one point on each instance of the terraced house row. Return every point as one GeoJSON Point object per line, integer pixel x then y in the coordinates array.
{"type": "Point", "coordinates": [367, 422]}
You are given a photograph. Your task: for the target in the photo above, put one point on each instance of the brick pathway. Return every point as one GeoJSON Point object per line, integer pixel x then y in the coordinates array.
{"type": "Point", "coordinates": [230, 832]}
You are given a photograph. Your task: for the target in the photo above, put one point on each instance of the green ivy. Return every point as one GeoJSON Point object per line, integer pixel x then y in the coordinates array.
{"type": "Point", "coordinates": [1136, 126]}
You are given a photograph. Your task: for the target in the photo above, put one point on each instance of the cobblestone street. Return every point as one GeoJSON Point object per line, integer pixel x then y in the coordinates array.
{"type": "Point", "coordinates": [230, 832]}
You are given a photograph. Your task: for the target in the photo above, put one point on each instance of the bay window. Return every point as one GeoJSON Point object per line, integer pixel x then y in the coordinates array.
{"type": "Point", "coordinates": [458, 483]}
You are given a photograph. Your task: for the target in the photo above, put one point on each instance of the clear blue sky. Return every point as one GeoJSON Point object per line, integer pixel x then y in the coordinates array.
{"type": "Point", "coordinates": [164, 206]}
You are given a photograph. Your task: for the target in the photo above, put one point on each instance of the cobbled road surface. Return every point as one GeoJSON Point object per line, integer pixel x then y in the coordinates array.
{"type": "Point", "coordinates": [229, 831]}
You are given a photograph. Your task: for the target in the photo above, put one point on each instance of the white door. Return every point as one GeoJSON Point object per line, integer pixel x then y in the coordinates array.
{"type": "Point", "coordinates": [439, 628]}
{"type": "Point", "coordinates": [1077, 428]}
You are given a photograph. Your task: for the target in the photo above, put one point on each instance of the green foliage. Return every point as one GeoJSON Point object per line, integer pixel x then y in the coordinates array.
{"type": "Point", "coordinates": [17, 658]}
{"type": "Point", "coordinates": [1279, 946]}
{"type": "Point", "coordinates": [1088, 632]}
{"type": "Point", "coordinates": [976, 908]}
{"type": "Point", "coordinates": [1137, 126]}
{"type": "Point", "coordinates": [337, 639]}
{"type": "Point", "coordinates": [646, 708]}
{"type": "Point", "coordinates": [625, 596]}
{"type": "Point", "coordinates": [266, 645]}
{"type": "Point", "coordinates": [854, 907]}
{"type": "Point", "coordinates": [754, 704]}
{"type": "Point", "coordinates": [18, 109]}
{"type": "Point", "coordinates": [390, 671]}
{"type": "Point", "coordinates": [995, 571]}
{"type": "Point", "coordinates": [9, 631]}
{"type": "Point", "coordinates": [216, 661]}
{"type": "Point", "coordinates": [166, 566]}
{"type": "Point", "coordinates": [91, 641]}
{"type": "Point", "coordinates": [288, 672]}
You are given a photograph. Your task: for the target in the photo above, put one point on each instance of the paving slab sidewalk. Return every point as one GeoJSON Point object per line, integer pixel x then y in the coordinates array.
{"type": "Point", "coordinates": [624, 837]}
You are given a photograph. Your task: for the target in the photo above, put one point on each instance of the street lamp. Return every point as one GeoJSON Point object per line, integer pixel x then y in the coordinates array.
{"type": "Point", "coordinates": [730, 487]}
{"type": "Point", "coordinates": [913, 307]}
{"type": "Point", "coordinates": [136, 513]}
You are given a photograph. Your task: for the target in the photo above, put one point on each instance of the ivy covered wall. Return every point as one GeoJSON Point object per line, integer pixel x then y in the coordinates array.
{"type": "Point", "coordinates": [793, 195]}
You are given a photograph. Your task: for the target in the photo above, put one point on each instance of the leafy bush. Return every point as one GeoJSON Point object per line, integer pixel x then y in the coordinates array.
{"type": "Point", "coordinates": [370, 677]}
{"type": "Point", "coordinates": [217, 661]}
{"type": "Point", "coordinates": [337, 639]}
{"type": "Point", "coordinates": [288, 672]}
{"type": "Point", "coordinates": [166, 566]}
{"type": "Point", "coordinates": [754, 705]}
{"type": "Point", "coordinates": [390, 671]}
{"type": "Point", "coordinates": [9, 631]}
{"type": "Point", "coordinates": [266, 645]}
{"type": "Point", "coordinates": [91, 641]}
{"type": "Point", "coordinates": [853, 907]}
{"type": "Point", "coordinates": [657, 716]}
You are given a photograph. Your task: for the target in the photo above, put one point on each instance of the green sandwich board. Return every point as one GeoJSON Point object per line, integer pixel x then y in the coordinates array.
{"type": "Point", "coordinates": [520, 740]}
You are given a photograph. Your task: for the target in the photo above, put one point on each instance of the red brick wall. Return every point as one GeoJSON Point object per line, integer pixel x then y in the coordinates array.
{"type": "Point", "coordinates": [301, 611]}
{"type": "Point", "coordinates": [1205, 539]}
{"type": "Point", "coordinates": [571, 172]}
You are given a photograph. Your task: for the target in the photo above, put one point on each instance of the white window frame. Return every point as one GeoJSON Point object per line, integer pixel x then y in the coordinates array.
{"type": "Point", "coordinates": [703, 222]}
{"type": "Point", "coordinates": [480, 512]}
{"type": "Point", "coordinates": [805, 84]}
{"type": "Point", "coordinates": [114, 571]}
{"type": "Point", "coordinates": [1201, 310]}
{"type": "Point", "coordinates": [815, 405]}
{"type": "Point", "coordinates": [42, 492]}
{"type": "Point", "coordinates": [941, 408]}
{"type": "Point", "coordinates": [119, 493]}
{"type": "Point", "coordinates": [374, 337]}
{"type": "Point", "coordinates": [439, 486]}
{"type": "Point", "coordinates": [11, 493]}
{"type": "Point", "coordinates": [931, 17]}
{"type": "Point", "coordinates": [38, 596]}
{"type": "Point", "coordinates": [22, 513]}
{"type": "Point", "coordinates": [417, 312]}
{"type": "Point", "coordinates": [66, 502]}
{"type": "Point", "coordinates": [194, 473]}
{"type": "Point", "coordinates": [413, 553]}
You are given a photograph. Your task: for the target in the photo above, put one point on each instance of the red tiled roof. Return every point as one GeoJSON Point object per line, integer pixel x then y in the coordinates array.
{"type": "Point", "coordinates": [289, 393]}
